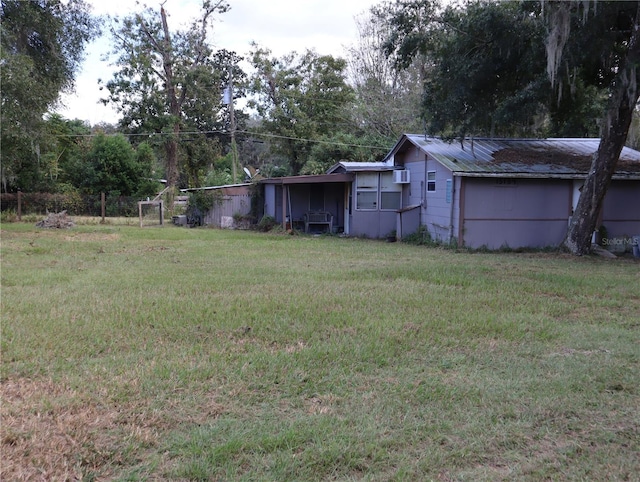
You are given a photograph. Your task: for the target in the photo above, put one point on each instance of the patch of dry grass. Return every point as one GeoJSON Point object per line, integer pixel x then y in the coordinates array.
{"type": "Point", "coordinates": [53, 432]}
{"type": "Point", "coordinates": [184, 354]}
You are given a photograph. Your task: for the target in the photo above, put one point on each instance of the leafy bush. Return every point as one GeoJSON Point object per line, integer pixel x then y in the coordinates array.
{"type": "Point", "coordinates": [421, 237]}
{"type": "Point", "coordinates": [267, 223]}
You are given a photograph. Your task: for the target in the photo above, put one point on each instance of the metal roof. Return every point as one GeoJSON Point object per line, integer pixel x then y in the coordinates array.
{"type": "Point", "coordinates": [349, 166]}
{"type": "Point", "coordinates": [566, 158]}
{"type": "Point", "coordinates": [213, 188]}
{"type": "Point", "coordinates": [310, 179]}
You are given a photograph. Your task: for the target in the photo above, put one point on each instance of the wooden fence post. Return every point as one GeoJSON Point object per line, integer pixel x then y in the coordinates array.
{"type": "Point", "coordinates": [102, 206]}
{"type": "Point", "coordinates": [19, 205]}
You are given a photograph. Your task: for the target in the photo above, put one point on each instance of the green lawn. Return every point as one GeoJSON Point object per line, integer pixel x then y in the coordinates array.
{"type": "Point", "coordinates": [200, 354]}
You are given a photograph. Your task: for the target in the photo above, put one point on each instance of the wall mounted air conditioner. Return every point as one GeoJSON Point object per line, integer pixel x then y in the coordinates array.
{"type": "Point", "coordinates": [401, 177]}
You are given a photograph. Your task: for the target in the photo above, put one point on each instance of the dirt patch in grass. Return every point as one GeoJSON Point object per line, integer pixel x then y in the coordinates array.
{"type": "Point", "coordinates": [52, 432]}
{"type": "Point", "coordinates": [321, 404]}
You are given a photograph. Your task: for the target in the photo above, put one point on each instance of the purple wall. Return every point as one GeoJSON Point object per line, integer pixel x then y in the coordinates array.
{"type": "Point", "coordinates": [621, 209]}
{"type": "Point", "coordinates": [515, 212]}
{"type": "Point", "coordinates": [408, 222]}
{"type": "Point", "coordinates": [440, 208]}
{"type": "Point", "coordinates": [372, 224]}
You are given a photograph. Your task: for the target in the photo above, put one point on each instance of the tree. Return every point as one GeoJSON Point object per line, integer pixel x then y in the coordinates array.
{"type": "Point", "coordinates": [113, 166]}
{"type": "Point", "coordinates": [301, 98]}
{"type": "Point", "coordinates": [65, 144]}
{"type": "Point", "coordinates": [343, 146]}
{"type": "Point", "coordinates": [495, 64]}
{"type": "Point", "coordinates": [42, 46]}
{"type": "Point", "coordinates": [387, 98]}
{"type": "Point", "coordinates": [613, 31]}
{"type": "Point", "coordinates": [168, 81]}
{"type": "Point", "coordinates": [487, 73]}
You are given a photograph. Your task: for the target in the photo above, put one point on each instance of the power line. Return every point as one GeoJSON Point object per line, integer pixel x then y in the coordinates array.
{"type": "Point", "coordinates": [251, 133]}
{"type": "Point", "coordinates": [317, 141]}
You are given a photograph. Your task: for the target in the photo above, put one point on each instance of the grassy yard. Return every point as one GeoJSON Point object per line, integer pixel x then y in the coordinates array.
{"type": "Point", "coordinates": [200, 354]}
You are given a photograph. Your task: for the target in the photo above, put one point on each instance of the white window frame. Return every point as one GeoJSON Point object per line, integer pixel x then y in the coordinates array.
{"type": "Point", "coordinates": [388, 186]}
{"type": "Point", "coordinates": [431, 182]}
{"type": "Point", "coordinates": [364, 185]}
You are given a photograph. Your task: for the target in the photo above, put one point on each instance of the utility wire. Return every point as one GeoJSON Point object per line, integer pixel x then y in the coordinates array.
{"type": "Point", "coordinates": [251, 133]}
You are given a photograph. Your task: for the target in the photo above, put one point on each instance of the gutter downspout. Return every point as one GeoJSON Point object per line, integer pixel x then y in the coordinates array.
{"type": "Point", "coordinates": [423, 195]}
{"type": "Point", "coordinates": [461, 205]}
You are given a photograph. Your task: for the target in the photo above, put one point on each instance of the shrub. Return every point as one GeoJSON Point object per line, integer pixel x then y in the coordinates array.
{"type": "Point", "coordinates": [420, 238]}
{"type": "Point", "coordinates": [267, 223]}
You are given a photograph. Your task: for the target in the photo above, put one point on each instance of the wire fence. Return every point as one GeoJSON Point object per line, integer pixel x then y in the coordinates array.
{"type": "Point", "coordinates": [74, 204]}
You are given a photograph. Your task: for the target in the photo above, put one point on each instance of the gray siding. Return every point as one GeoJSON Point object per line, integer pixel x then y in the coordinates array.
{"type": "Point", "coordinates": [375, 223]}
{"type": "Point", "coordinates": [408, 222]}
{"type": "Point", "coordinates": [515, 213]}
{"type": "Point", "coordinates": [438, 213]}
{"type": "Point", "coordinates": [230, 205]}
{"type": "Point", "coordinates": [438, 218]}
{"type": "Point", "coordinates": [372, 224]}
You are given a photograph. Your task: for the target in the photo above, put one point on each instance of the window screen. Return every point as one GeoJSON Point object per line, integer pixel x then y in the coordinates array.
{"type": "Point", "coordinates": [431, 181]}
{"type": "Point", "coordinates": [367, 190]}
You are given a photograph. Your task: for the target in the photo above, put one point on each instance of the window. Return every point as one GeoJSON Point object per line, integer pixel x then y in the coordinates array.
{"type": "Point", "coordinates": [431, 181]}
{"type": "Point", "coordinates": [390, 192]}
{"type": "Point", "coordinates": [367, 191]}
{"type": "Point", "coordinates": [377, 191]}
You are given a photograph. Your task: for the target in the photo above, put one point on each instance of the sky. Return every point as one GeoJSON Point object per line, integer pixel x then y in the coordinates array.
{"type": "Point", "coordinates": [327, 26]}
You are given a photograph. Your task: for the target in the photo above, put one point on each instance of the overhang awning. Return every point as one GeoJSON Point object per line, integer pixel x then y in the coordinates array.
{"type": "Point", "coordinates": [311, 179]}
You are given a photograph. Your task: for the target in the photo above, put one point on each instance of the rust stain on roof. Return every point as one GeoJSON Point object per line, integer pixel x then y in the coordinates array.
{"type": "Point", "coordinates": [555, 157]}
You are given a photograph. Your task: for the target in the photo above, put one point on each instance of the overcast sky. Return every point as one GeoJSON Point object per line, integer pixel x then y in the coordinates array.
{"type": "Point", "coordinates": [328, 26]}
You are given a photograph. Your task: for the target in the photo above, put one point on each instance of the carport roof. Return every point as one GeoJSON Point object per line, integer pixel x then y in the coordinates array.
{"type": "Point", "coordinates": [311, 179]}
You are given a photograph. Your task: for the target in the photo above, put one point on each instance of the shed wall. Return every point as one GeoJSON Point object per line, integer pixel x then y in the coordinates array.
{"type": "Point", "coordinates": [515, 212]}
{"type": "Point", "coordinates": [621, 209]}
{"type": "Point", "coordinates": [230, 205]}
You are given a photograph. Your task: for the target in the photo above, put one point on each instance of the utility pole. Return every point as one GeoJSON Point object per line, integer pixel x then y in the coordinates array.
{"type": "Point", "coordinates": [232, 126]}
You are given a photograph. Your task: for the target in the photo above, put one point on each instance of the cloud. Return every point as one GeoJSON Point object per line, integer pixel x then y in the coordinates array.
{"type": "Point", "coordinates": [327, 26]}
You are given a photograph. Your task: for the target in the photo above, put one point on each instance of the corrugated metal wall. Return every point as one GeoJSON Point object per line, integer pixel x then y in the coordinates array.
{"type": "Point", "coordinates": [235, 204]}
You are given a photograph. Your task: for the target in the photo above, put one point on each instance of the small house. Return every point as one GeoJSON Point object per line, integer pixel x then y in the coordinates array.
{"type": "Point", "coordinates": [476, 193]}
{"type": "Point", "coordinates": [511, 192]}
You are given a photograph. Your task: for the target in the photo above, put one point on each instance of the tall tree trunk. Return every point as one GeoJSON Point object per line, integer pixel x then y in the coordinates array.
{"type": "Point", "coordinates": [624, 97]}
{"type": "Point", "coordinates": [171, 146]}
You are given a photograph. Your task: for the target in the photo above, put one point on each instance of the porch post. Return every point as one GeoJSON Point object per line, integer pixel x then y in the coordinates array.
{"type": "Point", "coordinates": [285, 196]}
{"type": "Point", "coordinates": [347, 220]}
